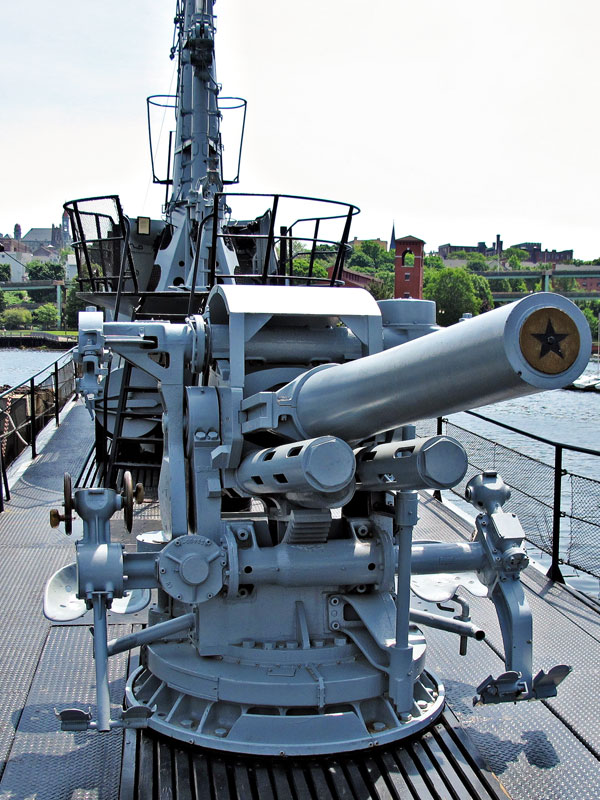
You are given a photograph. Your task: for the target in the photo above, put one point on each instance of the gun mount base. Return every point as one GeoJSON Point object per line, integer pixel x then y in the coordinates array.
{"type": "Point", "coordinates": [242, 726]}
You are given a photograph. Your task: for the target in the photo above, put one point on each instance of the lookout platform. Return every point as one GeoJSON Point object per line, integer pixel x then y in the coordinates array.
{"type": "Point", "coordinates": [545, 750]}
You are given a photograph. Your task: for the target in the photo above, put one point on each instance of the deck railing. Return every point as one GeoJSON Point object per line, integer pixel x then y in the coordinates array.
{"type": "Point", "coordinates": [559, 509]}
{"type": "Point", "coordinates": [27, 407]}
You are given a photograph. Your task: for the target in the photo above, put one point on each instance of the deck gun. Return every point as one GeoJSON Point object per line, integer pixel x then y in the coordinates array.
{"type": "Point", "coordinates": [281, 621]}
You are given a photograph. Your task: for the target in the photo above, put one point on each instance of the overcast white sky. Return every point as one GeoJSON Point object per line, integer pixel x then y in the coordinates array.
{"type": "Point", "coordinates": [458, 119]}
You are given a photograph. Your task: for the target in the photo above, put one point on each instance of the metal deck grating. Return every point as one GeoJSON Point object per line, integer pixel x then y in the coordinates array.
{"type": "Point", "coordinates": [439, 765]}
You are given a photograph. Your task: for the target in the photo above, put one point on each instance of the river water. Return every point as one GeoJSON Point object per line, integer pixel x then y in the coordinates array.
{"type": "Point", "coordinates": [18, 365]}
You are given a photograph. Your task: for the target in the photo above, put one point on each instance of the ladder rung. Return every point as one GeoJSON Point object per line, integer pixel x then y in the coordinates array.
{"type": "Point", "coordinates": [146, 389]}
{"type": "Point", "coordinates": [137, 464]}
{"type": "Point", "coordinates": [147, 414]}
{"type": "Point", "coordinates": [145, 439]}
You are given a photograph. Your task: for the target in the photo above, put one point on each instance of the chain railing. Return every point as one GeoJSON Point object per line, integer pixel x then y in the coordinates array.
{"type": "Point", "coordinates": [559, 510]}
{"type": "Point", "coordinates": [27, 407]}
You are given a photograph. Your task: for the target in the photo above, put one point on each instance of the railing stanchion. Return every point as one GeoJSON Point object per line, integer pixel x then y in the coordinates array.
{"type": "Point", "coordinates": [32, 393]}
{"type": "Point", "coordinates": [4, 475]}
{"type": "Point", "coordinates": [554, 572]}
{"type": "Point", "coordinates": [437, 493]}
{"type": "Point", "coordinates": [2, 480]}
{"type": "Point", "coordinates": [56, 399]}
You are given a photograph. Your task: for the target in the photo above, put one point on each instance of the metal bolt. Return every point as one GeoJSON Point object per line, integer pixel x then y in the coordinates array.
{"type": "Point", "coordinates": [379, 726]}
{"type": "Point", "coordinates": [335, 601]}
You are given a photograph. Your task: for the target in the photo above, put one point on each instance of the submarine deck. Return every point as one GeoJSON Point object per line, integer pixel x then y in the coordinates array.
{"type": "Point", "coordinates": [547, 750]}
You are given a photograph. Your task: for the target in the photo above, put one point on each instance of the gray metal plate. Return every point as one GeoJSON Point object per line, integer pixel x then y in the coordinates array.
{"type": "Point", "coordinates": [49, 764]}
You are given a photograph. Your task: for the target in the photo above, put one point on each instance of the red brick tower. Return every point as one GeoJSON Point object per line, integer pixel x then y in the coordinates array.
{"type": "Point", "coordinates": [409, 279]}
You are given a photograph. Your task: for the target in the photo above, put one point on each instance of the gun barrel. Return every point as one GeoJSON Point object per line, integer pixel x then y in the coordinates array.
{"type": "Point", "coordinates": [540, 342]}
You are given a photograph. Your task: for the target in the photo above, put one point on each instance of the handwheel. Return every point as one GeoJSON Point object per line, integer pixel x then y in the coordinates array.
{"type": "Point", "coordinates": [127, 496]}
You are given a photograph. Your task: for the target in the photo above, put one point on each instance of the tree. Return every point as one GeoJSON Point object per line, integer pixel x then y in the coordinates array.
{"type": "Point", "coordinates": [382, 288]}
{"type": "Point", "coordinates": [409, 260]}
{"type": "Point", "coordinates": [564, 284]}
{"type": "Point", "coordinates": [66, 251]}
{"type": "Point", "coordinates": [16, 298]}
{"type": "Point", "coordinates": [371, 256]}
{"type": "Point", "coordinates": [453, 291]}
{"type": "Point", "coordinates": [46, 316]}
{"type": "Point", "coordinates": [514, 262]}
{"type": "Point", "coordinates": [45, 271]}
{"type": "Point", "coordinates": [2, 302]}
{"type": "Point", "coordinates": [4, 272]}
{"type": "Point", "coordinates": [483, 291]}
{"type": "Point", "coordinates": [14, 318]}
{"type": "Point", "coordinates": [477, 261]}
{"type": "Point", "coordinates": [518, 285]}
{"type": "Point", "coordinates": [361, 262]}
{"type": "Point", "coordinates": [522, 255]}
{"type": "Point", "coordinates": [592, 320]}
{"type": "Point", "coordinates": [73, 305]}
{"type": "Point", "coordinates": [301, 266]}
{"type": "Point", "coordinates": [435, 262]}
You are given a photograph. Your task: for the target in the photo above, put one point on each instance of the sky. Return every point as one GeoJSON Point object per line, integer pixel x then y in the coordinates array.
{"type": "Point", "coordinates": [455, 119]}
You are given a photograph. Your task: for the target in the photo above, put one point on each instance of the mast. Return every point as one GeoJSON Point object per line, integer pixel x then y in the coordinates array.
{"type": "Point", "coordinates": [196, 171]}
{"type": "Point", "coordinates": [197, 161]}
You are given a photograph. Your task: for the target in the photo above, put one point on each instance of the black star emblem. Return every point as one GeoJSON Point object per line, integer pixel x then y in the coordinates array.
{"type": "Point", "coordinates": [550, 340]}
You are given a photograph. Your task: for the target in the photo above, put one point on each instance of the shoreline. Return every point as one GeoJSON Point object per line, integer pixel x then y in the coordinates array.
{"type": "Point", "coordinates": [37, 341]}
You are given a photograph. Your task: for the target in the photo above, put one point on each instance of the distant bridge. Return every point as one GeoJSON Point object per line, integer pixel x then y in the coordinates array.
{"type": "Point", "coordinates": [33, 286]}
{"type": "Point", "coordinates": [547, 276]}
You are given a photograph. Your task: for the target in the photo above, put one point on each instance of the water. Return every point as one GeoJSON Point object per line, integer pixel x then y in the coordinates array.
{"type": "Point", "coordinates": [564, 416]}
{"type": "Point", "coordinates": [19, 365]}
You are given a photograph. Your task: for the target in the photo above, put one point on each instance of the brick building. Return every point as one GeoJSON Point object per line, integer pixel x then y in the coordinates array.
{"type": "Point", "coordinates": [409, 277]}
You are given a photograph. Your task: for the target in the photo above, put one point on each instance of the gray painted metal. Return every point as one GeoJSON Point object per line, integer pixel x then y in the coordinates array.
{"type": "Point", "coordinates": [352, 659]}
